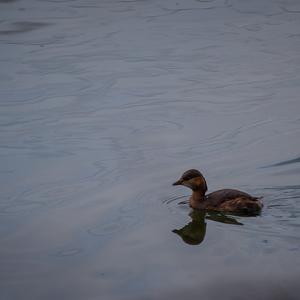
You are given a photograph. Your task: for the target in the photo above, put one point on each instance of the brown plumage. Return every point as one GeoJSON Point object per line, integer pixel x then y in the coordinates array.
{"type": "Point", "coordinates": [227, 200]}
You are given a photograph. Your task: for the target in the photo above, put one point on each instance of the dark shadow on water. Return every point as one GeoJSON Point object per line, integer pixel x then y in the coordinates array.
{"type": "Point", "coordinates": [8, 1]}
{"type": "Point", "coordinates": [283, 163]}
{"type": "Point", "coordinates": [22, 27]}
{"type": "Point", "coordinates": [194, 232]}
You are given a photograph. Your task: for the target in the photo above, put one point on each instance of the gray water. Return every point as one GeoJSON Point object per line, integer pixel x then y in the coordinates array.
{"type": "Point", "coordinates": [103, 104]}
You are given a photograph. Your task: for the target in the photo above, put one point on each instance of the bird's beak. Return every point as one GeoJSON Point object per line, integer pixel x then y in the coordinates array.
{"type": "Point", "coordinates": [178, 182]}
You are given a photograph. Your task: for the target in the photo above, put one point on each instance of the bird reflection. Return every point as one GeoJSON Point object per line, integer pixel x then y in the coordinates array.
{"type": "Point", "coordinates": [194, 232]}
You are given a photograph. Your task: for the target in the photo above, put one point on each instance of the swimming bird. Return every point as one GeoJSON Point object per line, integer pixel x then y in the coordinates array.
{"type": "Point", "coordinates": [226, 200]}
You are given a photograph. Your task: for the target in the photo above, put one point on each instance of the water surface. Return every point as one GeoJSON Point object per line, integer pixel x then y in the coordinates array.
{"type": "Point", "coordinates": [103, 104]}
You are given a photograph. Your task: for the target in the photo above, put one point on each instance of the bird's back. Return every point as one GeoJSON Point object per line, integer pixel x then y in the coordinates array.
{"type": "Point", "coordinates": [233, 201]}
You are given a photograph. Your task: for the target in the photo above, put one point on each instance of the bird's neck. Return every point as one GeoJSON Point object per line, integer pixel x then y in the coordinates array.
{"type": "Point", "coordinates": [197, 198]}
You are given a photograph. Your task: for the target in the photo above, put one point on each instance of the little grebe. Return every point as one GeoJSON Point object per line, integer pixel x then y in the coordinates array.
{"type": "Point", "coordinates": [226, 200]}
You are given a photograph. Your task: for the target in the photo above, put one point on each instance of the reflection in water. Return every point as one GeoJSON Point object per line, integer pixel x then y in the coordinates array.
{"type": "Point", "coordinates": [222, 218]}
{"type": "Point", "coordinates": [194, 232]}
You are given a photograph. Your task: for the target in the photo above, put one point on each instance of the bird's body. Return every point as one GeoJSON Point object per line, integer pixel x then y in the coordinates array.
{"type": "Point", "coordinates": [226, 200]}
{"type": "Point", "coordinates": [229, 200]}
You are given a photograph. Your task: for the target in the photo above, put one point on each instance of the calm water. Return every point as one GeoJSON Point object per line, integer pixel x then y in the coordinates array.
{"type": "Point", "coordinates": [103, 104]}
